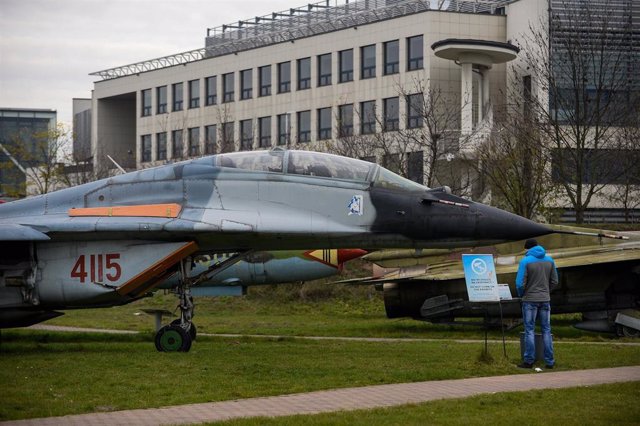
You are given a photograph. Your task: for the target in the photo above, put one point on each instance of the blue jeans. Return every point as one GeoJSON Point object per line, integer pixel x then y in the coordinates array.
{"type": "Point", "coordinates": [531, 311]}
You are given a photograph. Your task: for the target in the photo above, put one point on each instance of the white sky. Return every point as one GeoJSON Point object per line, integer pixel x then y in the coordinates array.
{"type": "Point", "coordinates": [48, 47]}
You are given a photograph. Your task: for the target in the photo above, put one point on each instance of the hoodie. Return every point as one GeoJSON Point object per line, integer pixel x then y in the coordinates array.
{"type": "Point", "coordinates": [537, 276]}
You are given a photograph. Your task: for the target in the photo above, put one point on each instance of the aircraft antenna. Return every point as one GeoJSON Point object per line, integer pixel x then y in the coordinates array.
{"type": "Point", "coordinates": [117, 165]}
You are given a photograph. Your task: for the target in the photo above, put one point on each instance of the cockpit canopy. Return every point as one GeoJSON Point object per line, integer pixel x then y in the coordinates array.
{"type": "Point", "coordinates": [318, 164]}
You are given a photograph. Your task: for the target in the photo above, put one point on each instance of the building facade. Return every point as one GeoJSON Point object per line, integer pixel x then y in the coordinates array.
{"type": "Point", "coordinates": [21, 132]}
{"type": "Point", "coordinates": [321, 77]}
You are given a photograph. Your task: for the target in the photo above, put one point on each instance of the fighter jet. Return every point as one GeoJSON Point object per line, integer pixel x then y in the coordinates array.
{"type": "Point", "coordinates": [112, 241]}
{"type": "Point", "coordinates": [599, 273]}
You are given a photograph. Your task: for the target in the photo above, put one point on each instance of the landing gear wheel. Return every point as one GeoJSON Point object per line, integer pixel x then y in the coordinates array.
{"type": "Point", "coordinates": [171, 338]}
{"type": "Point", "coordinates": [624, 331]}
{"type": "Point", "coordinates": [192, 329]}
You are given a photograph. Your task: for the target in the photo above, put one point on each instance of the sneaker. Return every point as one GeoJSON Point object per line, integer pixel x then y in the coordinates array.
{"type": "Point", "coordinates": [548, 367]}
{"type": "Point", "coordinates": [525, 365]}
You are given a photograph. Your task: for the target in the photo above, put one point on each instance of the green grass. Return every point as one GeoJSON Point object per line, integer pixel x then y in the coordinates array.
{"type": "Point", "coordinates": [615, 404]}
{"type": "Point", "coordinates": [52, 374]}
{"type": "Point", "coordinates": [359, 313]}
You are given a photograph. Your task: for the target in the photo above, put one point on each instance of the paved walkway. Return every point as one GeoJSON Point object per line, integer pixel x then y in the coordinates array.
{"type": "Point", "coordinates": [344, 399]}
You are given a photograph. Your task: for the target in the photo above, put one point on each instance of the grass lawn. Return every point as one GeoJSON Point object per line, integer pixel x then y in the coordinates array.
{"type": "Point", "coordinates": [615, 404]}
{"type": "Point", "coordinates": [52, 374]}
{"type": "Point", "coordinates": [359, 313]}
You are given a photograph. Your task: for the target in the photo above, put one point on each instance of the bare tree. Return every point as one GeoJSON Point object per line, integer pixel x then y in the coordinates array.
{"type": "Point", "coordinates": [582, 63]}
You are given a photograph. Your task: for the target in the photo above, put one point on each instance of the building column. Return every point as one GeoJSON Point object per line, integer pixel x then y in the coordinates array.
{"type": "Point", "coordinates": [466, 99]}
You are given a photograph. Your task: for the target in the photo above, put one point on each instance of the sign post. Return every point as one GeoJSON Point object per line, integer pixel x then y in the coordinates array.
{"type": "Point", "coordinates": [482, 285]}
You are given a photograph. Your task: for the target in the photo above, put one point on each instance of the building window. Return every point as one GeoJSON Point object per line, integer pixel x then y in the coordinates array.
{"type": "Point", "coordinates": [304, 126]}
{"type": "Point", "coordinates": [284, 129]}
{"type": "Point", "coordinates": [324, 70]}
{"type": "Point", "coordinates": [246, 84]}
{"type": "Point", "coordinates": [284, 77]}
{"type": "Point", "coordinates": [177, 147]}
{"type": "Point", "coordinates": [161, 100]}
{"type": "Point", "coordinates": [415, 168]}
{"type": "Point", "coordinates": [210, 139]}
{"type": "Point", "coordinates": [227, 144]}
{"type": "Point", "coordinates": [367, 117]}
{"type": "Point", "coordinates": [194, 94]}
{"type": "Point", "coordinates": [265, 80]}
{"type": "Point", "coordinates": [177, 96]}
{"type": "Point", "coordinates": [246, 135]}
{"type": "Point", "coordinates": [145, 143]}
{"type": "Point", "coordinates": [368, 61]}
{"type": "Point", "coordinates": [210, 85]}
{"type": "Point", "coordinates": [194, 141]}
{"type": "Point", "coordinates": [414, 111]}
{"type": "Point", "coordinates": [324, 123]}
{"type": "Point", "coordinates": [264, 129]}
{"type": "Point", "coordinates": [391, 114]}
{"type": "Point", "coordinates": [228, 83]}
{"type": "Point", "coordinates": [345, 120]}
{"type": "Point", "coordinates": [392, 162]}
{"type": "Point", "coordinates": [146, 102]}
{"type": "Point", "coordinates": [346, 65]}
{"type": "Point", "coordinates": [391, 57]}
{"type": "Point", "coordinates": [414, 53]}
{"type": "Point", "coordinates": [304, 73]}
{"type": "Point", "coordinates": [161, 146]}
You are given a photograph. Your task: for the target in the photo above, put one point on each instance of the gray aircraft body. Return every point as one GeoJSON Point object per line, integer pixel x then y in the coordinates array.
{"type": "Point", "coordinates": [109, 242]}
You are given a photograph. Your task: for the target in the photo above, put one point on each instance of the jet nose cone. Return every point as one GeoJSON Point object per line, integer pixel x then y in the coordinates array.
{"type": "Point", "coordinates": [494, 223]}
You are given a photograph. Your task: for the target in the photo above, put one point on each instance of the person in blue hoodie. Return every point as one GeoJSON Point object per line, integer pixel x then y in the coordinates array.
{"type": "Point", "coordinates": [537, 277]}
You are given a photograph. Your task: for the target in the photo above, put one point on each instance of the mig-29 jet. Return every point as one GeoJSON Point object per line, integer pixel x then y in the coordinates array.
{"type": "Point", "coordinates": [111, 241]}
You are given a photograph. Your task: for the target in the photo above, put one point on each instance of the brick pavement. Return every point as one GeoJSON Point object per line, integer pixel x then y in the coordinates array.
{"type": "Point", "coordinates": [344, 399]}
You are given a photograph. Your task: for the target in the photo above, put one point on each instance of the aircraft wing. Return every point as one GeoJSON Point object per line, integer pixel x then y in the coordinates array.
{"type": "Point", "coordinates": [17, 232]}
{"type": "Point", "coordinates": [451, 270]}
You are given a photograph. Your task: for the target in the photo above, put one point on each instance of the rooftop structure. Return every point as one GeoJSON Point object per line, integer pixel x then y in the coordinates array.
{"type": "Point", "coordinates": [296, 23]}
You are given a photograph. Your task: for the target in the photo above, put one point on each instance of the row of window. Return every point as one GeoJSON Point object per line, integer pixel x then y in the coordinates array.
{"type": "Point", "coordinates": [391, 65]}
{"type": "Point", "coordinates": [390, 121]}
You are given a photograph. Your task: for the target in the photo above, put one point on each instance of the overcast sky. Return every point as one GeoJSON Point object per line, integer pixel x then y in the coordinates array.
{"type": "Point", "coordinates": [48, 47]}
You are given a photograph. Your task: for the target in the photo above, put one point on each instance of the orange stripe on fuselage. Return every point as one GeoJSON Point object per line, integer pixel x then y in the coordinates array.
{"type": "Point", "coordinates": [152, 276]}
{"type": "Point", "coordinates": [144, 210]}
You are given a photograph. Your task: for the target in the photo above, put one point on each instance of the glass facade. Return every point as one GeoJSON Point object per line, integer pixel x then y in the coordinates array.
{"type": "Point", "coordinates": [324, 70]}
{"type": "Point", "coordinates": [304, 126]}
{"type": "Point", "coordinates": [211, 87]}
{"type": "Point", "coordinates": [210, 139]}
{"type": "Point", "coordinates": [284, 129]}
{"type": "Point", "coordinates": [161, 100]}
{"type": "Point", "coordinates": [264, 74]}
{"type": "Point", "coordinates": [228, 83]}
{"type": "Point", "coordinates": [391, 114]}
{"type": "Point", "coordinates": [146, 102]}
{"type": "Point", "coordinates": [177, 144]}
{"type": "Point", "coordinates": [177, 96]}
{"type": "Point", "coordinates": [194, 141]}
{"type": "Point", "coordinates": [346, 65]}
{"type": "Point", "coordinates": [324, 123]}
{"type": "Point", "coordinates": [367, 117]}
{"type": "Point", "coordinates": [246, 84]}
{"type": "Point", "coordinates": [284, 77]}
{"type": "Point", "coordinates": [161, 146]}
{"type": "Point", "coordinates": [304, 73]}
{"type": "Point", "coordinates": [368, 61]}
{"type": "Point", "coordinates": [194, 94]}
{"type": "Point", "coordinates": [264, 129]}
{"type": "Point", "coordinates": [345, 124]}
{"type": "Point", "coordinates": [391, 57]}
{"type": "Point", "coordinates": [414, 53]}
{"type": "Point", "coordinates": [246, 135]}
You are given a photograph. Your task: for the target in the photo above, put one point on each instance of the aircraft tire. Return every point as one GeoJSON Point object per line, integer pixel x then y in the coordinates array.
{"type": "Point", "coordinates": [171, 338]}
{"type": "Point", "coordinates": [192, 330]}
{"type": "Point", "coordinates": [624, 331]}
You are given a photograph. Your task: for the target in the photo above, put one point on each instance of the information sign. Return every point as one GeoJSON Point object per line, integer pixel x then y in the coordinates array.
{"type": "Point", "coordinates": [480, 276]}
